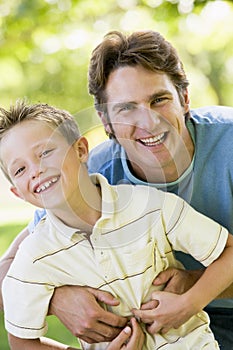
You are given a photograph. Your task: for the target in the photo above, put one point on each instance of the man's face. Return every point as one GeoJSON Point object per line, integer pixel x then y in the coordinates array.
{"type": "Point", "coordinates": [42, 165]}
{"type": "Point", "coordinates": [148, 121]}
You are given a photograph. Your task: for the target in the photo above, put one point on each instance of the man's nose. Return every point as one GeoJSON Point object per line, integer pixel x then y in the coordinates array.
{"type": "Point", "coordinates": [147, 119]}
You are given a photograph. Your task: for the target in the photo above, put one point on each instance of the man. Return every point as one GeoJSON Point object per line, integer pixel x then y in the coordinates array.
{"type": "Point", "coordinates": [141, 95]}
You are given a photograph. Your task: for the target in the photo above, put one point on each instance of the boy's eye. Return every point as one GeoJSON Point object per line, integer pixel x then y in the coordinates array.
{"type": "Point", "coordinates": [18, 171]}
{"type": "Point", "coordinates": [45, 153]}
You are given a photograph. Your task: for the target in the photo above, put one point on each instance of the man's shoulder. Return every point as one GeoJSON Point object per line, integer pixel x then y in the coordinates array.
{"type": "Point", "coordinates": [104, 156]}
{"type": "Point", "coordinates": [212, 114]}
{"type": "Point", "coordinates": [105, 148]}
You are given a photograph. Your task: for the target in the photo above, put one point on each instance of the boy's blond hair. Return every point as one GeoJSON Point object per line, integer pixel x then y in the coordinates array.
{"type": "Point", "coordinates": [58, 119]}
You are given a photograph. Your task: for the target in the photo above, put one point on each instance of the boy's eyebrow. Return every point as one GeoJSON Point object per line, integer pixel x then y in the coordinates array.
{"type": "Point", "coordinates": [34, 147]}
{"type": "Point", "coordinates": [15, 161]}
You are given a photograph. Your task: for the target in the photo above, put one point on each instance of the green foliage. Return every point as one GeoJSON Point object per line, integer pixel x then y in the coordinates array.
{"type": "Point", "coordinates": [45, 46]}
{"type": "Point", "coordinates": [8, 233]}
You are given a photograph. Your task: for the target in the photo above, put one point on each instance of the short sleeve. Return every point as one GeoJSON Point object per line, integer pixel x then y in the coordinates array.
{"type": "Point", "coordinates": [192, 232]}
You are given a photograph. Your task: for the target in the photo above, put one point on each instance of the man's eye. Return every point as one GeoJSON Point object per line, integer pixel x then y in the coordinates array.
{"type": "Point", "coordinates": [158, 100]}
{"type": "Point", "coordinates": [126, 107]}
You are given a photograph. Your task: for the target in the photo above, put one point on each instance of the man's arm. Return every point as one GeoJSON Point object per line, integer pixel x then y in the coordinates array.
{"type": "Point", "coordinates": [8, 257]}
{"type": "Point", "coordinates": [131, 338]}
{"type": "Point", "coordinates": [179, 281]}
{"type": "Point", "coordinates": [172, 310]}
{"type": "Point", "coordinates": [79, 310]}
{"type": "Point", "coordinates": [36, 344]}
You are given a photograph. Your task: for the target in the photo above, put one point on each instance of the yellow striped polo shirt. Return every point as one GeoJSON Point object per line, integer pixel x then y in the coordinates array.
{"type": "Point", "coordinates": [130, 245]}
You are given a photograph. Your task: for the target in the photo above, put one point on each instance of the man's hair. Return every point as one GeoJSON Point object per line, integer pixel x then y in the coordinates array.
{"type": "Point", "coordinates": [58, 119]}
{"type": "Point", "coordinates": [145, 48]}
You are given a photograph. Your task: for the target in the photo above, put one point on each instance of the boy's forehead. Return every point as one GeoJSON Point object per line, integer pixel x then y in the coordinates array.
{"type": "Point", "coordinates": [28, 134]}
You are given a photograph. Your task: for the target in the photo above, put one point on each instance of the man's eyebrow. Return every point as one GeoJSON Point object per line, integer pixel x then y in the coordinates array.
{"type": "Point", "coordinates": [152, 97]}
{"type": "Point", "coordinates": [159, 94]}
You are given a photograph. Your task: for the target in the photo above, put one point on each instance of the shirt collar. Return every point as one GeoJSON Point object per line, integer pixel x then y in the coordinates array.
{"type": "Point", "coordinates": [62, 228]}
{"type": "Point", "coordinates": [108, 194]}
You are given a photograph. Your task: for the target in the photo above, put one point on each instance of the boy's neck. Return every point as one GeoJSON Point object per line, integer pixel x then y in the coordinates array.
{"type": "Point", "coordinates": [85, 213]}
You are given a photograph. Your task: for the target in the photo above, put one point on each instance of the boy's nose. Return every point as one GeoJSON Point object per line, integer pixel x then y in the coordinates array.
{"type": "Point", "coordinates": [36, 171]}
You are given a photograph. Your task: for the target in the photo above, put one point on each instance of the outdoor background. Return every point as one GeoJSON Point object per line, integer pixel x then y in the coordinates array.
{"type": "Point", "coordinates": [45, 46]}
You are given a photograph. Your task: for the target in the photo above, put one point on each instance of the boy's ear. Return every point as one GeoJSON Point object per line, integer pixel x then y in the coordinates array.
{"type": "Point", "coordinates": [105, 122]}
{"type": "Point", "coordinates": [14, 190]}
{"type": "Point", "coordinates": [81, 146]}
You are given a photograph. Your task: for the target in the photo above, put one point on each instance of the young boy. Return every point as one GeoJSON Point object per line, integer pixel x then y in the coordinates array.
{"type": "Point", "coordinates": [114, 238]}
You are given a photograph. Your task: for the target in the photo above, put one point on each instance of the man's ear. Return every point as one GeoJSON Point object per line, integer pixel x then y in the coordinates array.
{"type": "Point", "coordinates": [105, 122]}
{"type": "Point", "coordinates": [186, 101]}
{"type": "Point", "coordinates": [81, 146]}
{"type": "Point", "coordinates": [14, 190]}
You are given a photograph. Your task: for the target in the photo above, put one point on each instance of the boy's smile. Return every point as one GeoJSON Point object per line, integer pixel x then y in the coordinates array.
{"type": "Point", "coordinates": [46, 184]}
{"type": "Point", "coordinates": [43, 167]}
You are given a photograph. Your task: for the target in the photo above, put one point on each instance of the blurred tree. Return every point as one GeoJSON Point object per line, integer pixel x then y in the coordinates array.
{"type": "Point", "coordinates": [45, 46]}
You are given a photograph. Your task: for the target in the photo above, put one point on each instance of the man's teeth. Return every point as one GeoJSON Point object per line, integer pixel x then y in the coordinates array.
{"type": "Point", "coordinates": [46, 185]}
{"type": "Point", "coordinates": [150, 141]}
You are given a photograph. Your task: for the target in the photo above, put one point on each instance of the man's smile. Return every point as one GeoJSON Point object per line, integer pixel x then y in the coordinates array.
{"type": "Point", "coordinates": [153, 141]}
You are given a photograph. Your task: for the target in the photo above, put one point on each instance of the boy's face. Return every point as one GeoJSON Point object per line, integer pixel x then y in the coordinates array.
{"type": "Point", "coordinates": [43, 167]}
{"type": "Point", "coordinates": [147, 118]}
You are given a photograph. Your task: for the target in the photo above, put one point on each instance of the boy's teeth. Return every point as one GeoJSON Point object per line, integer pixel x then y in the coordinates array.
{"type": "Point", "coordinates": [46, 185]}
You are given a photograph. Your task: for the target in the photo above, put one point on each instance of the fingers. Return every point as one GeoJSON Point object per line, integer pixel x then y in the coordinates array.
{"type": "Point", "coordinates": [100, 333]}
{"type": "Point", "coordinates": [120, 341]}
{"type": "Point", "coordinates": [103, 296]}
{"type": "Point", "coordinates": [164, 276]}
{"type": "Point", "coordinates": [80, 312]}
{"type": "Point", "coordinates": [111, 319]}
{"type": "Point", "coordinates": [137, 339]}
{"type": "Point", "coordinates": [146, 316]}
{"type": "Point", "coordinates": [152, 304]}
{"type": "Point", "coordinates": [130, 338]}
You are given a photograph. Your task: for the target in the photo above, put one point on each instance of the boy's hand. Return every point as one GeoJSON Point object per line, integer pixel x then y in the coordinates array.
{"type": "Point", "coordinates": [130, 338]}
{"type": "Point", "coordinates": [78, 309]}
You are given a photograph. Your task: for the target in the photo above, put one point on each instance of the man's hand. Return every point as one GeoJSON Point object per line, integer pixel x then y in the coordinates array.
{"type": "Point", "coordinates": [171, 311]}
{"type": "Point", "coordinates": [78, 309]}
{"type": "Point", "coordinates": [156, 312]}
{"type": "Point", "coordinates": [176, 280]}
